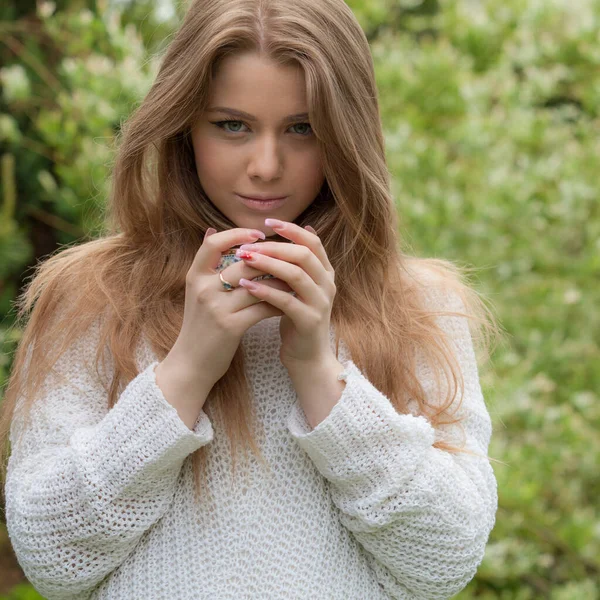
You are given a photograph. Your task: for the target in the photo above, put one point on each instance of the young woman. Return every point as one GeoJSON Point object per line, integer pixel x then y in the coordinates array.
{"type": "Point", "coordinates": [149, 359]}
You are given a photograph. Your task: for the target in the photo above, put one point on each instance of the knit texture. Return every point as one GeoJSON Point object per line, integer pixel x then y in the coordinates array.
{"type": "Point", "coordinates": [99, 503]}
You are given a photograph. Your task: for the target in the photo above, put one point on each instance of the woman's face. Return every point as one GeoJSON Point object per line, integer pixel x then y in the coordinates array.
{"type": "Point", "coordinates": [264, 153]}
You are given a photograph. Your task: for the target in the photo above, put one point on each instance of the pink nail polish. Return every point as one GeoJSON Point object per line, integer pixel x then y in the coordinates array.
{"type": "Point", "coordinates": [249, 284]}
{"type": "Point", "coordinates": [274, 223]}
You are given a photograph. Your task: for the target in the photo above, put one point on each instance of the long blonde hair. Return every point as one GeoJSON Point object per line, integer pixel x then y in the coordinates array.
{"type": "Point", "coordinates": [157, 214]}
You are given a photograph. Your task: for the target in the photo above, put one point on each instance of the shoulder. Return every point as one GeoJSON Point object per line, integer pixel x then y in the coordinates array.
{"type": "Point", "coordinates": [437, 283]}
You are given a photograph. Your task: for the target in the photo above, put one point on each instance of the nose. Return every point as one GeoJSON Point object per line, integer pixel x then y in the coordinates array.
{"type": "Point", "coordinates": [266, 160]}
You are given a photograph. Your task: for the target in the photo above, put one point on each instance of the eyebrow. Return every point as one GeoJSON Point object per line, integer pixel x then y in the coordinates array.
{"type": "Point", "coordinates": [244, 115]}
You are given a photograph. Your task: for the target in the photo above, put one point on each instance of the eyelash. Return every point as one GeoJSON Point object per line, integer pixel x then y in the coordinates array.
{"type": "Point", "coordinates": [220, 124]}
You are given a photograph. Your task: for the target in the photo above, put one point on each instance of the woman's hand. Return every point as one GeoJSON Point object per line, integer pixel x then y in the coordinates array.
{"type": "Point", "coordinates": [305, 267]}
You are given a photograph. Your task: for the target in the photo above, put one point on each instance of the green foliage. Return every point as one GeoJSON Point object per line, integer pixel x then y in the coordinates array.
{"type": "Point", "coordinates": [23, 591]}
{"type": "Point", "coordinates": [491, 116]}
{"type": "Point", "coordinates": [99, 75]}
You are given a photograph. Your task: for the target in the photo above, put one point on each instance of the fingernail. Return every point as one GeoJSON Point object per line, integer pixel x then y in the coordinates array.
{"type": "Point", "coordinates": [309, 228]}
{"type": "Point", "coordinates": [253, 287]}
{"type": "Point", "coordinates": [209, 232]}
{"type": "Point", "coordinates": [260, 234]}
{"type": "Point", "coordinates": [274, 223]}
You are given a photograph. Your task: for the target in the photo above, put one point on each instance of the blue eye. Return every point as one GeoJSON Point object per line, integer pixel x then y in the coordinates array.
{"type": "Point", "coordinates": [301, 124]}
{"type": "Point", "coordinates": [221, 125]}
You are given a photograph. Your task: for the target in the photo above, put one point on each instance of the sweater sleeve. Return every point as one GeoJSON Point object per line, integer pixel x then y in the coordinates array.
{"type": "Point", "coordinates": [423, 515]}
{"type": "Point", "coordinates": [84, 483]}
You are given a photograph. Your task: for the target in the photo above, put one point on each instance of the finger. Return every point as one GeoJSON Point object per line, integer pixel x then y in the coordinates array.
{"type": "Point", "coordinates": [287, 302]}
{"type": "Point", "coordinates": [274, 283]}
{"type": "Point", "coordinates": [235, 268]}
{"type": "Point", "coordinates": [209, 232]}
{"type": "Point", "coordinates": [294, 254]}
{"type": "Point", "coordinates": [208, 256]}
{"type": "Point", "coordinates": [303, 237]}
{"type": "Point", "coordinates": [241, 298]}
{"type": "Point", "coordinates": [295, 276]}
{"type": "Point", "coordinates": [239, 270]}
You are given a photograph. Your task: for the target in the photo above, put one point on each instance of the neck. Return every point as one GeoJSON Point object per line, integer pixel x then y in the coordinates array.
{"type": "Point", "coordinates": [276, 238]}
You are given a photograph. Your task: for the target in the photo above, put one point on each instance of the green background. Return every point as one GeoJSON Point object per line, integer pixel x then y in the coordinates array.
{"type": "Point", "coordinates": [491, 116]}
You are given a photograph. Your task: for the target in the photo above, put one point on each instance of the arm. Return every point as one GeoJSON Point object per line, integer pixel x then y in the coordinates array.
{"type": "Point", "coordinates": [84, 483]}
{"type": "Point", "coordinates": [422, 515]}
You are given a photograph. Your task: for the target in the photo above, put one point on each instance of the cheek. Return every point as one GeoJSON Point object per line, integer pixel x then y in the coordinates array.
{"type": "Point", "coordinates": [312, 172]}
{"type": "Point", "coordinates": [211, 159]}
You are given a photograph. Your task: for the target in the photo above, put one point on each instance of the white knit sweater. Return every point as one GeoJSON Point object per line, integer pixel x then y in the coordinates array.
{"type": "Point", "coordinates": [99, 503]}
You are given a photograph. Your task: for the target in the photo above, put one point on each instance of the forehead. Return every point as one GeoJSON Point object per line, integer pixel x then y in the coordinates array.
{"type": "Point", "coordinates": [258, 85]}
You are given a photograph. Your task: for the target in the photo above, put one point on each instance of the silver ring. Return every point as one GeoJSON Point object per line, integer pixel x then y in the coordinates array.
{"type": "Point", "coordinates": [226, 285]}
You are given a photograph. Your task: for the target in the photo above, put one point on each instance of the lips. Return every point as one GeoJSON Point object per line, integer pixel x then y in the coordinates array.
{"type": "Point", "coordinates": [263, 199]}
{"type": "Point", "coordinates": [262, 205]}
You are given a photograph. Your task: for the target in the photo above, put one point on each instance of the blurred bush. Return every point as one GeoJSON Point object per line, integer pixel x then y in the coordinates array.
{"type": "Point", "coordinates": [490, 110]}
